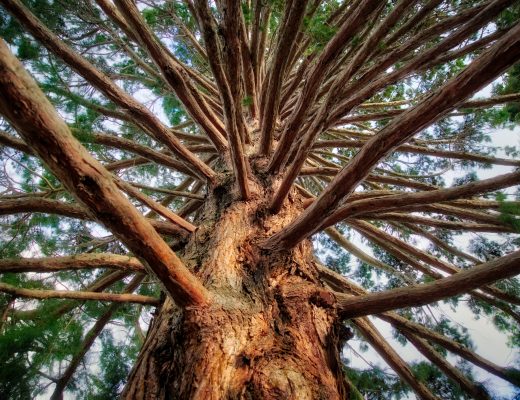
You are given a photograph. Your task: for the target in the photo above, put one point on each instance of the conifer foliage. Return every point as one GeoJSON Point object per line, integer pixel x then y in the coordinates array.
{"type": "Point", "coordinates": [197, 158]}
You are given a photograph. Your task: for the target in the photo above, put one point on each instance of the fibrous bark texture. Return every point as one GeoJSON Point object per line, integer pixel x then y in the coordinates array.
{"type": "Point", "coordinates": [271, 332]}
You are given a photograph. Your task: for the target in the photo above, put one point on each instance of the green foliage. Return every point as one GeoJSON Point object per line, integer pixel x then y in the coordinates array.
{"type": "Point", "coordinates": [40, 339]}
{"type": "Point", "coordinates": [151, 16]}
{"type": "Point", "coordinates": [509, 212]}
{"type": "Point", "coordinates": [332, 254]}
{"type": "Point", "coordinates": [319, 30]}
{"type": "Point", "coordinates": [511, 84]}
{"type": "Point", "coordinates": [173, 109]}
{"type": "Point", "coordinates": [438, 382]}
{"type": "Point", "coordinates": [376, 384]}
{"type": "Point", "coordinates": [28, 347]}
{"type": "Point", "coordinates": [27, 50]}
{"type": "Point", "coordinates": [115, 362]}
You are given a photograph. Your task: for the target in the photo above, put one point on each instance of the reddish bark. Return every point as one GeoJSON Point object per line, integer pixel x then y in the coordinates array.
{"type": "Point", "coordinates": [271, 332]}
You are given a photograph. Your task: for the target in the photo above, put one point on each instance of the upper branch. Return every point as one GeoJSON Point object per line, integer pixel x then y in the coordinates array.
{"type": "Point", "coordinates": [139, 114]}
{"type": "Point", "coordinates": [272, 91]}
{"type": "Point", "coordinates": [228, 84]}
{"type": "Point", "coordinates": [348, 29]}
{"type": "Point", "coordinates": [478, 74]}
{"type": "Point", "coordinates": [398, 201]}
{"type": "Point", "coordinates": [461, 282]}
{"type": "Point", "coordinates": [173, 73]}
{"type": "Point", "coordinates": [27, 109]}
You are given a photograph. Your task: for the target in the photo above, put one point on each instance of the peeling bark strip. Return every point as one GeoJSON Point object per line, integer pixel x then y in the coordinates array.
{"type": "Point", "coordinates": [461, 282]}
{"type": "Point", "coordinates": [25, 106]}
{"type": "Point", "coordinates": [477, 75]}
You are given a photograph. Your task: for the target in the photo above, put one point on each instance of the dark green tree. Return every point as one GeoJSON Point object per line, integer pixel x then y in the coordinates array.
{"type": "Point", "coordinates": [208, 199]}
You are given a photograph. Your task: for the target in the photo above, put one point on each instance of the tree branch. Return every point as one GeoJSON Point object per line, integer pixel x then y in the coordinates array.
{"type": "Point", "coordinates": [479, 73]}
{"type": "Point", "coordinates": [64, 294]}
{"type": "Point", "coordinates": [341, 284]}
{"type": "Point", "coordinates": [28, 110]}
{"type": "Point", "coordinates": [387, 352]}
{"type": "Point", "coordinates": [293, 17]}
{"type": "Point", "coordinates": [461, 282]}
{"type": "Point", "coordinates": [50, 206]}
{"type": "Point", "coordinates": [354, 22]}
{"type": "Point", "coordinates": [400, 201]}
{"type": "Point", "coordinates": [173, 73]}
{"type": "Point", "coordinates": [233, 119]}
{"type": "Point", "coordinates": [476, 390]}
{"type": "Point", "coordinates": [140, 115]}
{"type": "Point", "coordinates": [74, 262]}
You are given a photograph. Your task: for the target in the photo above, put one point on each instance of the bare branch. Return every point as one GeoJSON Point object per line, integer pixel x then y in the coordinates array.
{"type": "Point", "coordinates": [28, 110]}
{"type": "Point", "coordinates": [140, 115]}
{"type": "Point", "coordinates": [174, 75]}
{"type": "Point", "coordinates": [293, 17]}
{"type": "Point", "coordinates": [50, 206]}
{"type": "Point", "coordinates": [475, 390]}
{"type": "Point", "coordinates": [64, 294]}
{"type": "Point", "coordinates": [387, 352]}
{"type": "Point", "coordinates": [349, 28]}
{"type": "Point", "coordinates": [398, 201]}
{"type": "Point", "coordinates": [461, 282]}
{"type": "Point", "coordinates": [233, 117]}
{"type": "Point", "coordinates": [341, 284]}
{"type": "Point", "coordinates": [480, 72]}
{"type": "Point", "coordinates": [65, 263]}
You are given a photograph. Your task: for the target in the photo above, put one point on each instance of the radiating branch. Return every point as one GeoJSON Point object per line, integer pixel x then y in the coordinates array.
{"type": "Point", "coordinates": [74, 262]}
{"type": "Point", "coordinates": [140, 115]}
{"type": "Point", "coordinates": [174, 75]}
{"type": "Point", "coordinates": [271, 94]}
{"type": "Point", "coordinates": [478, 74]}
{"type": "Point", "coordinates": [25, 106]}
{"type": "Point", "coordinates": [402, 201]}
{"type": "Point", "coordinates": [228, 85]}
{"type": "Point", "coordinates": [341, 284]}
{"type": "Point", "coordinates": [65, 294]}
{"type": "Point", "coordinates": [459, 283]}
{"type": "Point", "coordinates": [387, 353]}
{"type": "Point", "coordinates": [49, 206]}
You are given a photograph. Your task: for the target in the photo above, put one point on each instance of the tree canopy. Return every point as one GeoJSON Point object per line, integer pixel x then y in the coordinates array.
{"type": "Point", "coordinates": [117, 120]}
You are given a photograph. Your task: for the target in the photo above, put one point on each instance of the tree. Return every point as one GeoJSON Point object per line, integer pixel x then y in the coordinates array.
{"type": "Point", "coordinates": [189, 151]}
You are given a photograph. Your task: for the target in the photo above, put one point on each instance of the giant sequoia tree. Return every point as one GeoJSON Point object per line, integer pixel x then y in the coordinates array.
{"type": "Point", "coordinates": [188, 155]}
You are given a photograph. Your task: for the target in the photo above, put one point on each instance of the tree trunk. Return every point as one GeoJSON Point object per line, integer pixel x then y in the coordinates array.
{"type": "Point", "coordinates": [272, 332]}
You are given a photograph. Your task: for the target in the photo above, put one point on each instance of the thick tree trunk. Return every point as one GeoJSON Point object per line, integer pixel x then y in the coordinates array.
{"type": "Point", "coordinates": [272, 332]}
